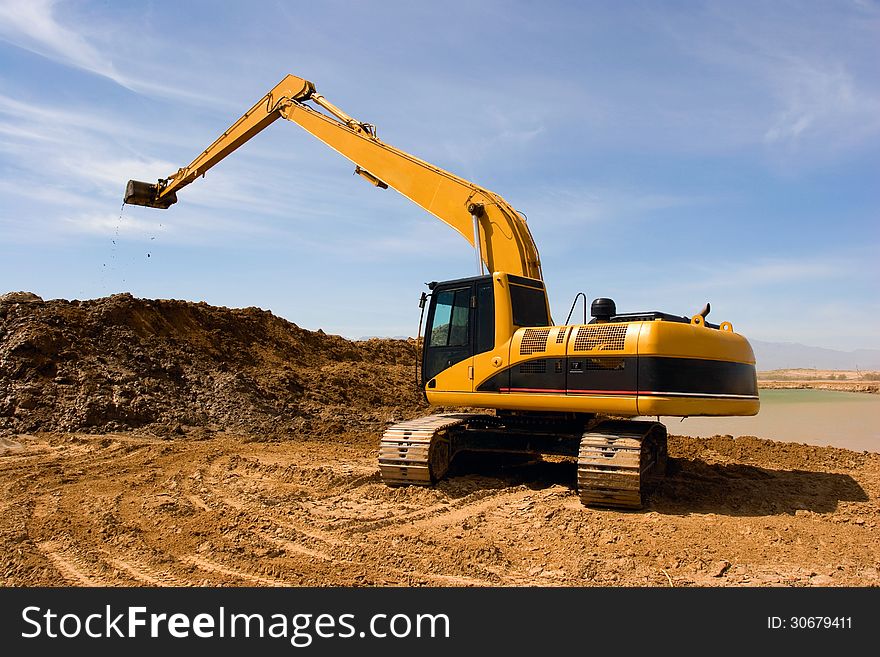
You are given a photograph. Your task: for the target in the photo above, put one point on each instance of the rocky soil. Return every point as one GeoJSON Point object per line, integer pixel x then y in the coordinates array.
{"type": "Point", "coordinates": [165, 443]}
{"type": "Point", "coordinates": [161, 366]}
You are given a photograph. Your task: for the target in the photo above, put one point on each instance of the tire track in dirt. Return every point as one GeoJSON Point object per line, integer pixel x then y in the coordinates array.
{"type": "Point", "coordinates": [70, 565]}
{"type": "Point", "coordinates": [441, 514]}
{"type": "Point", "coordinates": [285, 523]}
{"type": "Point", "coordinates": [312, 532]}
{"type": "Point", "coordinates": [70, 457]}
{"type": "Point", "coordinates": [99, 458]}
{"type": "Point", "coordinates": [506, 497]}
{"type": "Point", "coordinates": [143, 573]}
{"type": "Point", "coordinates": [222, 569]}
{"type": "Point", "coordinates": [214, 493]}
{"type": "Point", "coordinates": [45, 506]}
{"type": "Point", "coordinates": [291, 546]}
{"type": "Point", "coordinates": [330, 482]}
{"type": "Point", "coordinates": [43, 459]}
{"type": "Point", "coordinates": [444, 580]}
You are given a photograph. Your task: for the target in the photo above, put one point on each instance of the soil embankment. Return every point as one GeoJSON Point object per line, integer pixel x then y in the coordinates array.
{"type": "Point", "coordinates": [162, 366]}
{"type": "Point", "coordinates": [165, 443]}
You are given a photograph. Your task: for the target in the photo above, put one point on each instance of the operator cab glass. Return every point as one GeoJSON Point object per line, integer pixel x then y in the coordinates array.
{"type": "Point", "coordinates": [461, 323]}
{"type": "Point", "coordinates": [528, 301]}
{"type": "Point", "coordinates": [461, 318]}
{"type": "Point", "coordinates": [451, 317]}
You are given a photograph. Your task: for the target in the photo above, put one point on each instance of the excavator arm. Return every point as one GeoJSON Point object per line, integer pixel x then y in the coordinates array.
{"type": "Point", "coordinates": [489, 224]}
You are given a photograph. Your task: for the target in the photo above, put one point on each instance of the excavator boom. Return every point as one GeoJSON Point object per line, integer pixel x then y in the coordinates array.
{"type": "Point", "coordinates": [484, 219]}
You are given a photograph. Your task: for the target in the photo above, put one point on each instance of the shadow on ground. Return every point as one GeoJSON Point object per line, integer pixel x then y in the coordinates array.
{"type": "Point", "coordinates": [690, 486]}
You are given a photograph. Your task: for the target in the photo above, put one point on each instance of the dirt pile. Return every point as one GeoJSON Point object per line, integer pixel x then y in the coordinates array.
{"type": "Point", "coordinates": [164, 366]}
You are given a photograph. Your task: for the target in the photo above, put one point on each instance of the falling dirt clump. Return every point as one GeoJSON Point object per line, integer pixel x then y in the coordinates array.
{"type": "Point", "coordinates": [122, 363]}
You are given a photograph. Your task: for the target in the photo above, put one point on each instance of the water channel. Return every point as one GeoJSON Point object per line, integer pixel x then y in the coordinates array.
{"type": "Point", "coordinates": [816, 417]}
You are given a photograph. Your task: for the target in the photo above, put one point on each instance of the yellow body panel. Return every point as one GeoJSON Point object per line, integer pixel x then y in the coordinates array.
{"type": "Point", "coordinates": [674, 339]}
{"type": "Point", "coordinates": [596, 343]}
{"type": "Point", "coordinates": [679, 407]}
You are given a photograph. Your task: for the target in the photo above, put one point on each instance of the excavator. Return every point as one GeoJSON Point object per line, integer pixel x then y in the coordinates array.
{"type": "Point", "coordinates": [489, 342]}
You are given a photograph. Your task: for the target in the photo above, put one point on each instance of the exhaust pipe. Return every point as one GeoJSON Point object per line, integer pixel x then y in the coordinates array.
{"type": "Point", "coordinates": [141, 193]}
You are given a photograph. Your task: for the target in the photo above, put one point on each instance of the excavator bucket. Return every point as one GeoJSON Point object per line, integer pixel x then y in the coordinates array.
{"type": "Point", "coordinates": [141, 193]}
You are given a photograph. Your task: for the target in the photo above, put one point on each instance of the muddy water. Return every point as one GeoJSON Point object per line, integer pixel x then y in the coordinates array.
{"type": "Point", "coordinates": [815, 417]}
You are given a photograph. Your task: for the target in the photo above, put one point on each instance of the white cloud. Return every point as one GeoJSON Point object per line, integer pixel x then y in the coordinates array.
{"type": "Point", "coordinates": [556, 206]}
{"type": "Point", "coordinates": [32, 24]}
{"type": "Point", "coordinates": [791, 77]}
{"type": "Point", "coordinates": [110, 224]}
{"type": "Point", "coordinates": [757, 277]}
{"type": "Point", "coordinates": [821, 100]}
{"type": "Point", "coordinates": [35, 25]}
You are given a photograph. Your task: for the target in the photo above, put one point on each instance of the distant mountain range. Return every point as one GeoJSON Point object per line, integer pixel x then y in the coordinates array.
{"type": "Point", "coordinates": [789, 355]}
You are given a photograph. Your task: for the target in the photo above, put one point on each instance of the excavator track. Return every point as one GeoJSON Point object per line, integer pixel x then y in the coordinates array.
{"type": "Point", "coordinates": [618, 461]}
{"type": "Point", "coordinates": [418, 451]}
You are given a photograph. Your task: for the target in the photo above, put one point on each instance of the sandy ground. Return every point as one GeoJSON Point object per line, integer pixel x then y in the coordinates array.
{"type": "Point", "coordinates": [213, 509]}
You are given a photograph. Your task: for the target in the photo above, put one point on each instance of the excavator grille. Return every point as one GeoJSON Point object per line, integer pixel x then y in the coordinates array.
{"type": "Point", "coordinates": [534, 341]}
{"type": "Point", "coordinates": [600, 337]}
{"type": "Point", "coordinates": [560, 334]}
{"type": "Point", "coordinates": [533, 367]}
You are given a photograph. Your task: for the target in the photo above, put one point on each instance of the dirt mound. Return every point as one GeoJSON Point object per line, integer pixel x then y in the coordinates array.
{"type": "Point", "coordinates": [123, 363]}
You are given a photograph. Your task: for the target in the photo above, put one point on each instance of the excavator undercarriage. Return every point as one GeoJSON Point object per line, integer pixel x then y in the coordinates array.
{"type": "Point", "coordinates": [618, 461]}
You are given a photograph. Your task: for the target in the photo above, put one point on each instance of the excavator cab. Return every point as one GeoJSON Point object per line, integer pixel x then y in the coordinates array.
{"type": "Point", "coordinates": [461, 324]}
{"type": "Point", "coordinates": [472, 316]}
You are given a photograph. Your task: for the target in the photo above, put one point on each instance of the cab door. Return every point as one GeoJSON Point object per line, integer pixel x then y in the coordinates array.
{"type": "Point", "coordinates": [448, 334]}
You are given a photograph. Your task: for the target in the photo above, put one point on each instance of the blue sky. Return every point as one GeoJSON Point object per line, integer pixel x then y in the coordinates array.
{"type": "Point", "coordinates": [666, 154]}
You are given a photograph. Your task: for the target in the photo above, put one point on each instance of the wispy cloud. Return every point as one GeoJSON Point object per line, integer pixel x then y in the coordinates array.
{"type": "Point", "coordinates": [804, 84]}
{"type": "Point", "coordinates": [555, 206]}
{"type": "Point", "coordinates": [36, 26]}
{"type": "Point", "coordinates": [106, 223]}
{"type": "Point", "coordinates": [821, 100]}
{"type": "Point", "coordinates": [33, 25]}
{"type": "Point", "coordinates": [759, 275]}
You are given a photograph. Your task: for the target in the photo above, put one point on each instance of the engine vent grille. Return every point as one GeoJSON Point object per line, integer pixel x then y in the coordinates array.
{"type": "Point", "coordinates": [560, 335]}
{"type": "Point", "coordinates": [600, 337]}
{"type": "Point", "coordinates": [533, 367]}
{"type": "Point", "coordinates": [534, 341]}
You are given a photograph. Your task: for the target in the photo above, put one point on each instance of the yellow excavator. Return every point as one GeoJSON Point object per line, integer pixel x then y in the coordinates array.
{"type": "Point", "coordinates": [489, 341]}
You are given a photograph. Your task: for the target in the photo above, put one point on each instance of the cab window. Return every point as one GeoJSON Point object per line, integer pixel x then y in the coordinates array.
{"type": "Point", "coordinates": [450, 325]}
{"type": "Point", "coordinates": [529, 306]}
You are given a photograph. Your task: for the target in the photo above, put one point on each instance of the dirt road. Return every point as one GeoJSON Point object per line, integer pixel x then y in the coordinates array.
{"type": "Point", "coordinates": [214, 509]}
